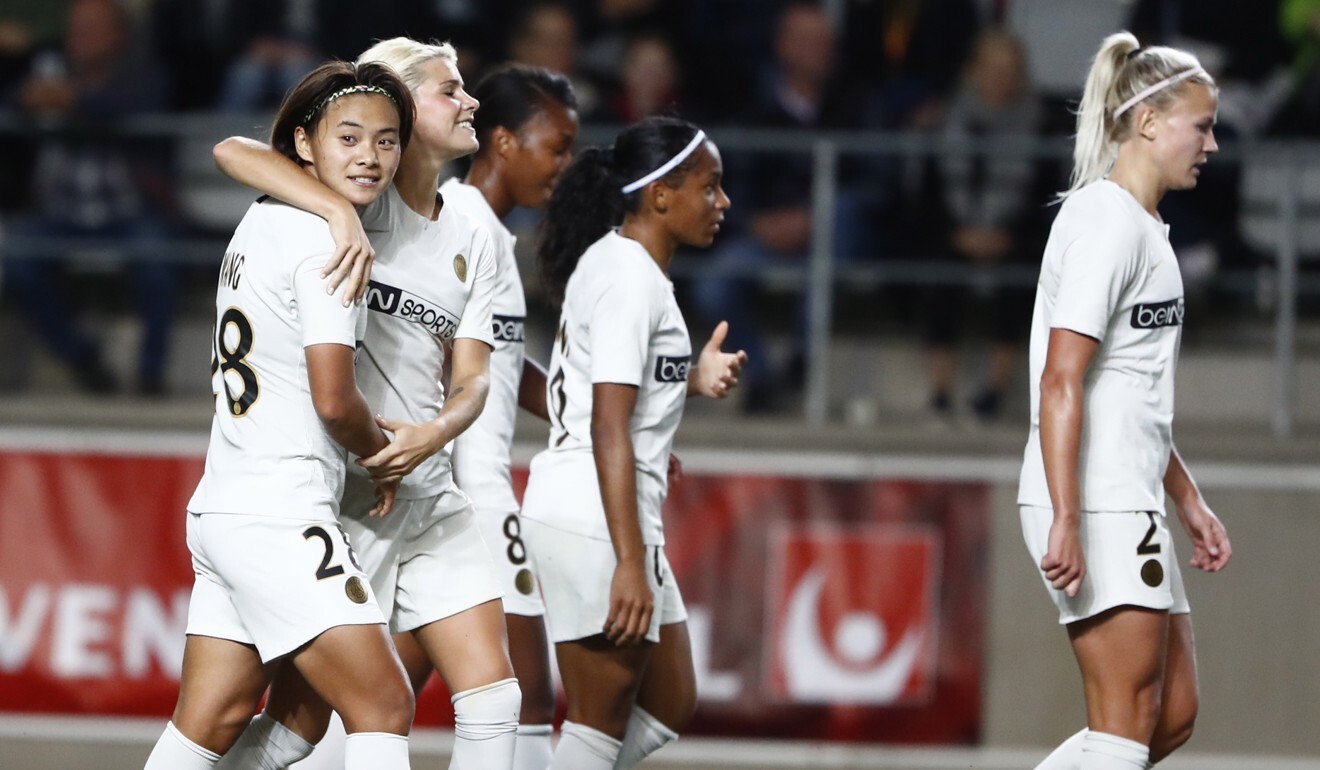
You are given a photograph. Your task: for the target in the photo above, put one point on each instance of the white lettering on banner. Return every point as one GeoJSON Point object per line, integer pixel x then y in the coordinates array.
{"type": "Point", "coordinates": [711, 685]}
{"type": "Point", "coordinates": [149, 630]}
{"type": "Point", "coordinates": [81, 630]}
{"type": "Point", "coordinates": [18, 633]}
{"type": "Point", "coordinates": [813, 674]}
{"type": "Point", "coordinates": [82, 618]}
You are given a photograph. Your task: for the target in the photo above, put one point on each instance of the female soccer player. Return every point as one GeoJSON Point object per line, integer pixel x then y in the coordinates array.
{"type": "Point", "coordinates": [526, 127]}
{"type": "Point", "coordinates": [621, 370]}
{"type": "Point", "coordinates": [275, 577]}
{"type": "Point", "coordinates": [431, 289]}
{"type": "Point", "coordinates": [1100, 455]}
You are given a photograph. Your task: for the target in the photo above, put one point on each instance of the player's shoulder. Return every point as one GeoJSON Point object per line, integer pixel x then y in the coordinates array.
{"type": "Point", "coordinates": [1102, 210]}
{"type": "Point", "coordinates": [288, 228]}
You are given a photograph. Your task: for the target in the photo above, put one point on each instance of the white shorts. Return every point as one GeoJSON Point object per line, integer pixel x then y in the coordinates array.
{"type": "Point", "coordinates": [272, 582]}
{"type": "Point", "coordinates": [1129, 561]}
{"type": "Point", "coordinates": [576, 572]}
{"type": "Point", "coordinates": [503, 535]}
{"type": "Point", "coordinates": [426, 559]}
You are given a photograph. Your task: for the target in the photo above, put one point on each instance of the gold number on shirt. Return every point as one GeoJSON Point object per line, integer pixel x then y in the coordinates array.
{"type": "Point", "coordinates": [228, 358]}
{"type": "Point", "coordinates": [555, 388]}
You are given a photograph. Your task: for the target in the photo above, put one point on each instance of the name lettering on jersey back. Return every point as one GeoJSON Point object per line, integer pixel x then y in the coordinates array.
{"type": "Point", "coordinates": [231, 270]}
{"type": "Point", "coordinates": [1158, 314]}
{"type": "Point", "coordinates": [509, 328]}
{"type": "Point", "coordinates": [672, 368]}
{"type": "Point", "coordinates": [383, 298]}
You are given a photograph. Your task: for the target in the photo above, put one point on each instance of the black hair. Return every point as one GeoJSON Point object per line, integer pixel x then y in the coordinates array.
{"type": "Point", "coordinates": [306, 102]}
{"type": "Point", "coordinates": [513, 94]}
{"type": "Point", "coordinates": [588, 200]}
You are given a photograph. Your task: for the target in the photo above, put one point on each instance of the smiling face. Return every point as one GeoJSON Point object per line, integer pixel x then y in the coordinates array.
{"type": "Point", "coordinates": [696, 209]}
{"type": "Point", "coordinates": [444, 111]}
{"type": "Point", "coordinates": [355, 147]}
{"type": "Point", "coordinates": [1184, 136]}
{"type": "Point", "coordinates": [538, 153]}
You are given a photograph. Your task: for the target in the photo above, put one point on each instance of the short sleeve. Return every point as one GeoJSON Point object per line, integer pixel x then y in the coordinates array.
{"type": "Point", "coordinates": [620, 325]}
{"type": "Point", "coordinates": [476, 321]}
{"type": "Point", "coordinates": [1095, 271]}
{"type": "Point", "coordinates": [324, 318]}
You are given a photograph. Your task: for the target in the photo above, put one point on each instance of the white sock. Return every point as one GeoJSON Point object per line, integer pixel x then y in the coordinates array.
{"type": "Point", "coordinates": [583, 748]}
{"type": "Point", "coordinates": [265, 745]}
{"type": "Point", "coordinates": [533, 749]}
{"type": "Point", "coordinates": [1068, 756]}
{"type": "Point", "coordinates": [175, 752]}
{"type": "Point", "coordinates": [376, 751]}
{"type": "Point", "coordinates": [1101, 751]}
{"type": "Point", "coordinates": [485, 725]}
{"type": "Point", "coordinates": [329, 752]}
{"type": "Point", "coordinates": [645, 736]}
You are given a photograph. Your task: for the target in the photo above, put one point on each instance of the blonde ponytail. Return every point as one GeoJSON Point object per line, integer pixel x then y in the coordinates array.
{"type": "Point", "coordinates": [1121, 71]}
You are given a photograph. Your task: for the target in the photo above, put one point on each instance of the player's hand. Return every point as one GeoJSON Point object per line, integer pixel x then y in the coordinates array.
{"type": "Point", "coordinates": [1064, 565]}
{"type": "Point", "coordinates": [411, 445]}
{"type": "Point", "coordinates": [716, 372]}
{"type": "Point", "coordinates": [350, 264]}
{"type": "Point", "coordinates": [631, 605]}
{"type": "Point", "coordinates": [1210, 547]}
{"type": "Point", "coordinates": [675, 473]}
{"type": "Point", "coordinates": [385, 494]}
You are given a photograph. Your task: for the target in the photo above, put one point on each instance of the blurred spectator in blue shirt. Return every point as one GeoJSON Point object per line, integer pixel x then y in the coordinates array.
{"type": "Point", "coordinates": [96, 186]}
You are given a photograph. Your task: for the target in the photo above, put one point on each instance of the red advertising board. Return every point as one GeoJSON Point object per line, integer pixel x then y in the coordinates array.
{"type": "Point", "coordinates": [819, 608]}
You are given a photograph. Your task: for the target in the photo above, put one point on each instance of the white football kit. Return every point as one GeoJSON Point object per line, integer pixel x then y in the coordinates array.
{"type": "Point", "coordinates": [481, 454]}
{"type": "Point", "coordinates": [272, 566]}
{"type": "Point", "coordinates": [619, 324]}
{"type": "Point", "coordinates": [1109, 273]}
{"type": "Point", "coordinates": [432, 283]}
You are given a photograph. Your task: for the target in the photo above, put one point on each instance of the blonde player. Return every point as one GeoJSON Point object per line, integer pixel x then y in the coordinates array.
{"type": "Point", "coordinates": [621, 369]}
{"type": "Point", "coordinates": [526, 126]}
{"type": "Point", "coordinates": [275, 577]}
{"type": "Point", "coordinates": [431, 289]}
{"type": "Point", "coordinates": [1100, 456]}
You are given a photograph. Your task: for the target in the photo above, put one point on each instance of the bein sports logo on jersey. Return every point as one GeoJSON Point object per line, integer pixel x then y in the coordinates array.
{"type": "Point", "coordinates": [384, 298]}
{"type": "Point", "coordinates": [672, 368]}
{"type": "Point", "coordinates": [853, 614]}
{"type": "Point", "coordinates": [509, 328]}
{"type": "Point", "coordinates": [1158, 314]}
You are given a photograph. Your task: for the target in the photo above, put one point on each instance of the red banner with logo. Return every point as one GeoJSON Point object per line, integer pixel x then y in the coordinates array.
{"type": "Point", "coordinates": [818, 608]}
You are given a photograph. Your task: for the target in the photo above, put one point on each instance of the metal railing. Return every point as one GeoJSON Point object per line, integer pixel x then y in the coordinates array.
{"type": "Point", "coordinates": [821, 274]}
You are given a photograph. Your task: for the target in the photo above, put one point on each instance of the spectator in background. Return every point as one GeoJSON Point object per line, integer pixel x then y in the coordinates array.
{"type": "Point", "coordinates": [802, 89]}
{"type": "Point", "coordinates": [197, 40]}
{"type": "Point", "coordinates": [1300, 114]}
{"type": "Point", "coordinates": [546, 35]}
{"type": "Point", "coordinates": [649, 82]}
{"type": "Point", "coordinates": [911, 50]}
{"type": "Point", "coordinates": [275, 59]}
{"type": "Point", "coordinates": [24, 27]}
{"type": "Point", "coordinates": [608, 29]}
{"type": "Point", "coordinates": [99, 187]}
{"type": "Point", "coordinates": [987, 198]}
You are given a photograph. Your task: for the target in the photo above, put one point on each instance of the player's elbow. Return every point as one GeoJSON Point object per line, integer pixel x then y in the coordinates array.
{"type": "Point", "coordinates": [335, 410]}
{"type": "Point", "coordinates": [223, 154]}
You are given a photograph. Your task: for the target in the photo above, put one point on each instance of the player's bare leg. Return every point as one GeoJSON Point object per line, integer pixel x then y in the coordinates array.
{"type": "Point", "coordinates": [666, 700]}
{"type": "Point", "coordinates": [1181, 698]}
{"type": "Point", "coordinates": [221, 683]}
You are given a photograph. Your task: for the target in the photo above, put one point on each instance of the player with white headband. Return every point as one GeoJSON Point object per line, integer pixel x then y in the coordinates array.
{"type": "Point", "coordinates": [1100, 456]}
{"type": "Point", "coordinates": [620, 372]}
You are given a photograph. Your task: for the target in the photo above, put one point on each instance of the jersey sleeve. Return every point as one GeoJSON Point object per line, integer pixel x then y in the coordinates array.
{"type": "Point", "coordinates": [477, 316]}
{"type": "Point", "coordinates": [324, 318]}
{"type": "Point", "coordinates": [620, 323]}
{"type": "Point", "coordinates": [1095, 271]}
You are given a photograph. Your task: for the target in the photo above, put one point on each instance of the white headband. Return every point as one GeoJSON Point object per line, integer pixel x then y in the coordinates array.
{"type": "Point", "coordinates": [668, 166]}
{"type": "Point", "coordinates": [1160, 86]}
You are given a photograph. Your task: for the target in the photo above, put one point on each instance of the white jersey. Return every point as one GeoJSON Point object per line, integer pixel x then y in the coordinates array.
{"type": "Point", "coordinates": [431, 283]}
{"type": "Point", "coordinates": [482, 466]}
{"type": "Point", "coordinates": [620, 324]}
{"type": "Point", "coordinates": [269, 453]}
{"type": "Point", "coordinates": [1109, 273]}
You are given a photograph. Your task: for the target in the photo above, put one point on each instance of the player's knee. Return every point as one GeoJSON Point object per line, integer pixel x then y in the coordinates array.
{"type": "Point", "coordinates": [214, 727]}
{"type": "Point", "coordinates": [389, 710]}
{"type": "Point", "coordinates": [538, 703]}
{"type": "Point", "coordinates": [487, 712]}
{"type": "Point", "coordinates": [1176, 729]}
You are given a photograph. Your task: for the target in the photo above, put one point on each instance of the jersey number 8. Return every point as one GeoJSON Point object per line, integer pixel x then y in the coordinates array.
{"type": "Point", "coordinates": [226, 358]}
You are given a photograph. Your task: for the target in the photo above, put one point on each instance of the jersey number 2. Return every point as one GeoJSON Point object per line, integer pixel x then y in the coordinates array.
{"type": "Point", "coordinates": [1146, 547]}
{"type": "Point", "coordinates": [328, 570]}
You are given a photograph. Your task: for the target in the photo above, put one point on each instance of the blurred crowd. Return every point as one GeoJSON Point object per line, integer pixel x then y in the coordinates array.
{"type": "Point", "coordinates": [949, 69]}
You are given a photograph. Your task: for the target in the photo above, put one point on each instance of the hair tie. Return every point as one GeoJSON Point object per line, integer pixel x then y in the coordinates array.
{"type": "Point", "coordinates": [1133, 53]}
{"type": "Point", "coordinates": [358, 89]}
{"type": "Point", "coordinates": [668, 166]}
{"type": "Point", "coordinates": [1160, 86]}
